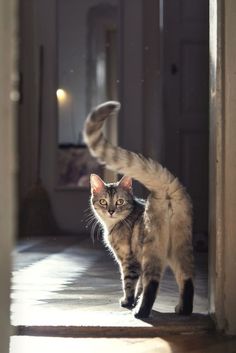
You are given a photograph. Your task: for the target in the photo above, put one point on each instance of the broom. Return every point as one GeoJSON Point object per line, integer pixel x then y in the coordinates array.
{"type": "Point", "coordinates": [36, 216]}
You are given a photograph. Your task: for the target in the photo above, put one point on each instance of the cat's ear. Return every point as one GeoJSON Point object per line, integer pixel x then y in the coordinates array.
{"type": "Point", "coordinates": [126, 183]}
{"type": "Point", "coordinates": [97, 184]}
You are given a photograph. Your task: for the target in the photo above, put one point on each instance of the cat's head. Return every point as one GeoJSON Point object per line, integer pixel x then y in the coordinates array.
{"type": "Point", "coordinates": [111, 202]}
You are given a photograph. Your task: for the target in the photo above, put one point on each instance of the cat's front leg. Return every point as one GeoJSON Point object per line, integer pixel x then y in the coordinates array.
{"type": "Point", "coordinates": [130, 276]}
{"type": "Point", "coordinates": [138, 292]}
{"type": "Point", "coordinates": [151, 273]}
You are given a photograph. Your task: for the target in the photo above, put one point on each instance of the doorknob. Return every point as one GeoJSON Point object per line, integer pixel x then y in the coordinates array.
{"type": "Point", "coordinates": [174, 69]}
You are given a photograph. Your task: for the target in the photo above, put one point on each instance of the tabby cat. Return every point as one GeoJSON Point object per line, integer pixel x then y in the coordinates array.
{"type": "Point", "coordinates": [144, 236]}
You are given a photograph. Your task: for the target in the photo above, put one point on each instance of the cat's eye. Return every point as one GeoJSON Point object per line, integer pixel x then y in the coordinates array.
{"type": "Point", "coordinates": [120, 202]}
{"type": "Point", "coordinates": [103, 202]}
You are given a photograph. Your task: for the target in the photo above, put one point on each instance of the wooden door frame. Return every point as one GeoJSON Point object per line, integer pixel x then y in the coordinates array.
{"type": "Point", "coordinates": [216, 172]}
{"type": "Point", "coordinates": [8, 98]}
{"type": "Point", "coordinates": [222, 207]}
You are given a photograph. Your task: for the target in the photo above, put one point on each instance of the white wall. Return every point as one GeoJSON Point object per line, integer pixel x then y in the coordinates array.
{"type": "Point", "coordinates": [8, 79]}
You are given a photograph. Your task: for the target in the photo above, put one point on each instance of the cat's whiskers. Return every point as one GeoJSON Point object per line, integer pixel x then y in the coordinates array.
{"type": "Point", "coordinates": [91, 221]}
{"type": "Point", "coordinates": [95, 227]}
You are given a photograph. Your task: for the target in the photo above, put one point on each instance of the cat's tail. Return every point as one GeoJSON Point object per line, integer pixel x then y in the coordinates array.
{"type": "Point", "coordinates": [148, 172]}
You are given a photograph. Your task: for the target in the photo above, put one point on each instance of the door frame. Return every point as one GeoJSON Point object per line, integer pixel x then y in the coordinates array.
{"type": "Point", "coordinates": [222, 195]}
{"type": "Point", "coordinates": [218, 136]}
{"type": "Point", "coordinates": [9, 96]}
{"type": "Point", "coordinates": [216, 170]}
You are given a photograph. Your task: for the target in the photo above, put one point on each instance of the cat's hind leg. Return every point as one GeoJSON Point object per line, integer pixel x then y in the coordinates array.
{"type": "Point", "coordinates": [185, 305]}
{"type": "Point", "coordinates": [182, 267]}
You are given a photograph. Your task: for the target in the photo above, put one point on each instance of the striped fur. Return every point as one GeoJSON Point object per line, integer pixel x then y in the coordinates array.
{"type": "Point", "coordinates": [144, 237]}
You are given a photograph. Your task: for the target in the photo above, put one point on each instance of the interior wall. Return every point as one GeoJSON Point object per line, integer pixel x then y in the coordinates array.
{"type": "Point", "coordinates": [141, 118]}
{"type": "Point", "coordinates": [152, 49]}
{"type": "Point", "coordinates": [8, 97]}
{"type": "Point", "coordinates": [131, 76]}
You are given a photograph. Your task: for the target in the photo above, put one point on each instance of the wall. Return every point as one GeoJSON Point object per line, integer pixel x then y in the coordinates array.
{"type": "Point", "coordinates": [131, 78]}
{"type": "Point", "coordinates": [140, 123]}
{"type": "Point", "coordinates": [153, 134]}
{"type": "Point", "coordinates": [8, 95]}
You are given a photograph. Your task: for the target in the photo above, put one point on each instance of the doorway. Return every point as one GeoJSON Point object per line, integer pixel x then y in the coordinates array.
{"type": "Point", "coordinates": [47, 250]}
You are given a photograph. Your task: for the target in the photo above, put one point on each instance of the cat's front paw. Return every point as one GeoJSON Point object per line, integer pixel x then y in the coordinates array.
{"type": "Point", "coordinates": [136, 301]}
{"type": "Point", "coordinates": [127, 302]}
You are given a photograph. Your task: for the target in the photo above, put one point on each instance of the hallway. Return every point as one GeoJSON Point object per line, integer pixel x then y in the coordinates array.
{"type": "Point", "coordinates": [65, 296]}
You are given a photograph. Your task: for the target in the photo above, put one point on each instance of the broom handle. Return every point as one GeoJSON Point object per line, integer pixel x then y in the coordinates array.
{"type": "Point", "coordinates": [40, 110]}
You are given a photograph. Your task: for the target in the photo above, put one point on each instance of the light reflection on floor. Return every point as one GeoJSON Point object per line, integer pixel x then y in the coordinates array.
{"type": "Point", "coordinates": [87, 345]}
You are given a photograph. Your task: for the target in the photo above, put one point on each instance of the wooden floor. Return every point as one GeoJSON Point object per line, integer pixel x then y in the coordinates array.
{"type": "Point", "coordinates": [69, 290]}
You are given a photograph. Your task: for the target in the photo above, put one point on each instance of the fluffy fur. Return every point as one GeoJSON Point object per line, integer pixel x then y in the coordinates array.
{"type": "Point", "coordinates": [145, 237]}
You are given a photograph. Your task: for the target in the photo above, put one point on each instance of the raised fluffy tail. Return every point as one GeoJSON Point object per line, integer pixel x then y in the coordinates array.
{"type": "Point", "coordinates": [148, 172]}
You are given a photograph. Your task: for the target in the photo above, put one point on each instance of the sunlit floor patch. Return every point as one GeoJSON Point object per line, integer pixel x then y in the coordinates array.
{"type": "Point", "coordinates": [99, 345]}
{"type": "Point", "coordinates": [168, 344]}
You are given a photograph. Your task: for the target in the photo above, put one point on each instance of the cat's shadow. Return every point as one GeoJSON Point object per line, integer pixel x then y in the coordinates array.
{"type": "Point", "coordinates": [170, 318]}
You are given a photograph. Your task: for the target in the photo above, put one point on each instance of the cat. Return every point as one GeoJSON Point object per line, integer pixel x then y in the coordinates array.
{"type": "Point", "coordinates": [144, 236]}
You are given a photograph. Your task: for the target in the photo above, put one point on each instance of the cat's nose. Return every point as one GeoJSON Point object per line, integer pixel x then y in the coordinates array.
{"type": "Point", "coordinates": [111, 212]}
